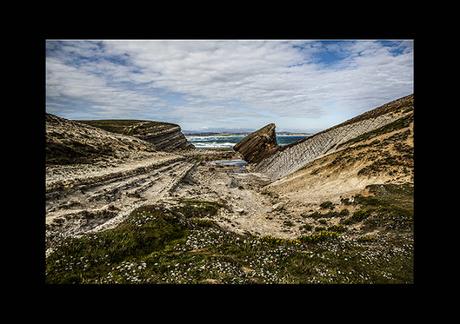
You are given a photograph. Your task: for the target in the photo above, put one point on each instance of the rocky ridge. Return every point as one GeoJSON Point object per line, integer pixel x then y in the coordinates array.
{"type": "Point", "coordinates": [293, 157]}
{"type": "Point", "coordinates": [163, 136]}
{"type": "Point", "coordinates": [69, 142]}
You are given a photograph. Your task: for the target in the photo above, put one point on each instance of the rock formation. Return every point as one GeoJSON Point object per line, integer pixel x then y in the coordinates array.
{"type": "Point", "coordinates": [69, 142]}
{"type": "Point", "coordinates": [384, 155]}
{"type": "Point", "coordinates": [293, 157]}
{"type": "Point", "coordinates": [164, 136]}
{"type": "Point", "coordinates": [258, 145]}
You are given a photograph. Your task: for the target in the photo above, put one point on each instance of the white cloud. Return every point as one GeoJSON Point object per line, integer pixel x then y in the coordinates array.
{"type": "Point", "coordinates": [219, 80]}
{"type": "Point", "coordinates": [65, 81]}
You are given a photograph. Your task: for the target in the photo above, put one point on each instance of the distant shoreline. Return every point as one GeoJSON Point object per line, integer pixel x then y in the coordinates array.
{"type": "Point", "coordinates": [244, 134]}
{"type": "Point", "coordinates": [229, 140]}
{"type": "Point", "coordinates": [211, 148]}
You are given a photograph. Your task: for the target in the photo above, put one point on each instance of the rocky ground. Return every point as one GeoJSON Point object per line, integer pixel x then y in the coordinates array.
{"type": "Point", "coordinates": [144, 216]}
{"type": "Point", "coordinates": [221, 224]}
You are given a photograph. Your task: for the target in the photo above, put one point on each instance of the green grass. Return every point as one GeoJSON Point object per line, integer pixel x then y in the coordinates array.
{"type": "Point", "coordinates": [134, 238]}
{"type": "Point", "coordinates": [397, 124]}
{"type": "Point", "coordinates": [366, 239]}
{"type": "Point", "coordinates": [198, 208]}
{"type": "Point", "coordinates": [319, 237]}
{"type": "Point", "coordinates": [327, 205]}
{"type": "Point", "coordinates": [386, 161]}
{"type": "Point", "coordinates": [337, 228]}
{"type": "Point", "coordinates": [204, 222]}
{"type": "Point", "coordinates": [320, 228]}
{"type": "Point", "coordinates": [357, 217]}
{"type": "Point", "coordinates": [346, 201]}
{"type": "Point", "coordinates": [389, 206]}
{"type": "Point", "coordinates": [306, 228]}
{"type": "Point", "coordinates": [339, 262]}
{"type": "Point", "coordinates": [329, 214]}
{"type": "Point", "coordinates": [182, 245]}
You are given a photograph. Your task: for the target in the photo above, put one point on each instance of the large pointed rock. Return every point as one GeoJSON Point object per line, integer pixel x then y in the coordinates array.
{"type": "Point", "coordinates": [258, 145]}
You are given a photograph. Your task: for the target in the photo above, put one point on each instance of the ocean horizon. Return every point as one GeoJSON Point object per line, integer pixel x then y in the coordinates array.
{"type": "Point", "coordinates": [229, 140]}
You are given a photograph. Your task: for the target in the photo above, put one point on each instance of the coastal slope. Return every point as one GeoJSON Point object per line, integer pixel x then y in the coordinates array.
{"type": "Point", "coordinates": [163, 136]}
{"type": "Point", "coordinates": [69, 142]}
{"type": "Point", "coordinates": [95, 177]}
{"type": "Point", "coordinates": [343, 215]}
{"type": "Point", "coordinates": [381, 156]}
{"type": "Point", "coordinates": [295, 156]}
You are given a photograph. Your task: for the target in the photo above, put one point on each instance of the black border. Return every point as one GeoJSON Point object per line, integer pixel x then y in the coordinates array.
{"type": "Point", "coordinates": [34, 159]}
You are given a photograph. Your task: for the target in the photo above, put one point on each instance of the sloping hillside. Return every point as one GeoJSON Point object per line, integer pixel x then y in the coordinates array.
{"type": "Point", "coordinates": [163, 136]}
{"type": "Point", "coordinates": [341, 210]}
{"type": "Point", "coordinates": [383, 155]}
{"type": "Point", "coordinates": [295, 156]}
{"type": "Point", "coordinates": [93, 176]}
{"type": "Point", "coordinates": [69, 142]}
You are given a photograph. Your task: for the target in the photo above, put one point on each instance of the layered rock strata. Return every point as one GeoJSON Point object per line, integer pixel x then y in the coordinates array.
{"type": "Point", "coordinates": [164, 136]}
{"type": "Point", "coordinates": [69, 142]}
{"type": "Point", "coordinates": [293, 157]}
{"type": "Point", "coordinates": [258, 145]}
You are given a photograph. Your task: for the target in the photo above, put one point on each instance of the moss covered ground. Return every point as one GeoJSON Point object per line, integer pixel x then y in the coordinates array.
{"type": "Point", "coordinates": [184, 245]}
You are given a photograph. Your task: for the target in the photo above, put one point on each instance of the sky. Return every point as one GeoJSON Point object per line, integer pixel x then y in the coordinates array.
{"type": "Point", "coordinates": [300, 85]}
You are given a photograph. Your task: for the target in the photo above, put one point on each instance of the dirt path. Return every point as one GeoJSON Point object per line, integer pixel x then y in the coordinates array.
{"type": "Point", "coordinates": [249, 209]}
{"type": "Point", "coordinates": [80, 203]}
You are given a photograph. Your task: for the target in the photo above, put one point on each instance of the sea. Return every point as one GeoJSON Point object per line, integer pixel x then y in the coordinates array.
{"type": "Point", "coordinates": [229, 140]}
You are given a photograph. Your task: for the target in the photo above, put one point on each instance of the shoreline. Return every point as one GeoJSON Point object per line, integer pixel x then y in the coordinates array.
{"type": "Point", "coordinates": [229, 135]}
{"type": "Point", "coordinates": [229, 149]}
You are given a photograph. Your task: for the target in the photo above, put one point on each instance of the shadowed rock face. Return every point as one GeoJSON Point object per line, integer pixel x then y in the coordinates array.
{"type": "Point", "coordinates": [164, 136]}
{"type": "Point", "coordinates": [258, 145]}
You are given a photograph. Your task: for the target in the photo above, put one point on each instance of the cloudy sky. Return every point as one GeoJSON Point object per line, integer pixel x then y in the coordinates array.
{"type": "Point", "coordinates": [299, 85]}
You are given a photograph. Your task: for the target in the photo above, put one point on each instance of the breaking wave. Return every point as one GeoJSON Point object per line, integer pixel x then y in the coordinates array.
{"type": "Point", "coordinates": [228, 141]}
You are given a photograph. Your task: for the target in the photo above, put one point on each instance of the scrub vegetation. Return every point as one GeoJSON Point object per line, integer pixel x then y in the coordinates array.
{"type": "Point", "coordinates": [184, 245]}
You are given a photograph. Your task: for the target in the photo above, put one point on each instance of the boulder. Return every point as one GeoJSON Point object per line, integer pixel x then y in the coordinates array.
{"type": "Point", "coordinates": [258, 145]}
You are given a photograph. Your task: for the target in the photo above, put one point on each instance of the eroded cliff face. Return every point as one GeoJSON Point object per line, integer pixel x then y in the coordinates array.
{"type": "Point", "coordinates": [69, 142]}
{"type": "Point", "coordinates": [258, 145]}
{"type": "Point", "coordinates": [293, 157]}
{"type": "Point", "coordinates": [164, 136]}
{"type": "Point", "coordinates": [382, 156]}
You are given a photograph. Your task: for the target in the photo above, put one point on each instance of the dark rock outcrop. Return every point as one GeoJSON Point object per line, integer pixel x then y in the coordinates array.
{"type": "Point", "coordinates": [164, 136]}
{"type": "Point", "coordinates": [258, 145]}
{"type": "Point", "coordinates": [69, 142]}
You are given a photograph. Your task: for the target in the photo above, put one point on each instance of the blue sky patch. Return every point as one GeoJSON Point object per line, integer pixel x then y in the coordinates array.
{"type": "Point", "coordinates": [226, 84]}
